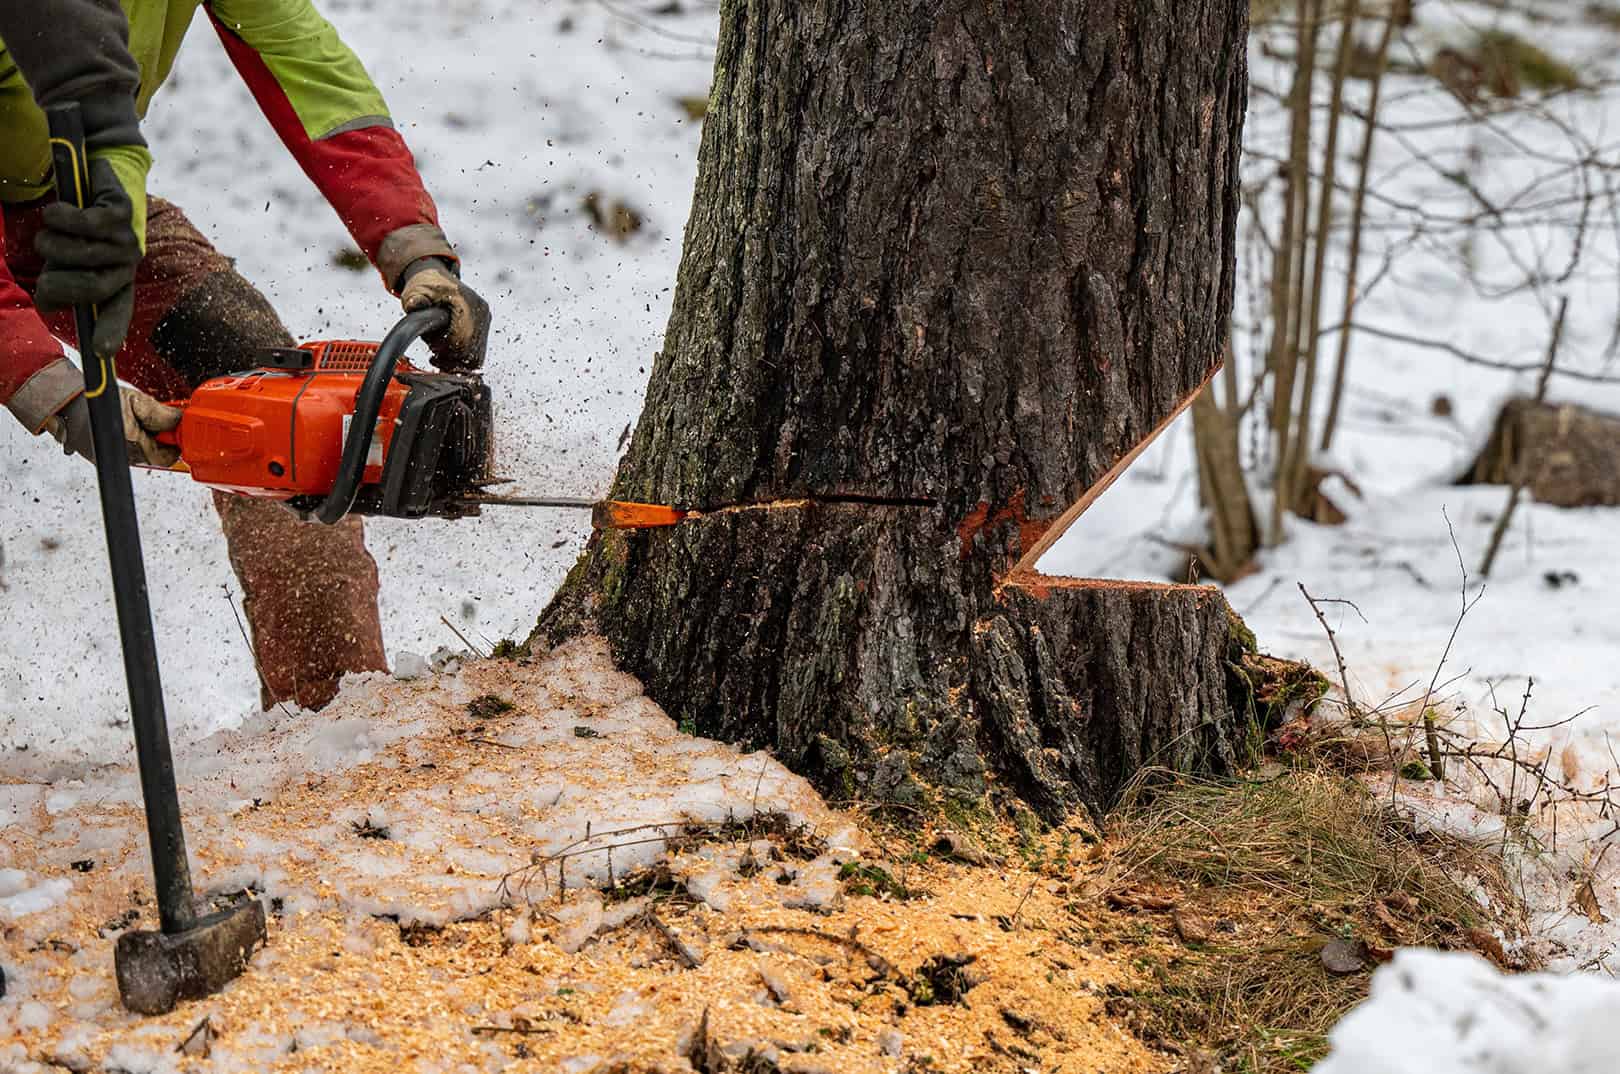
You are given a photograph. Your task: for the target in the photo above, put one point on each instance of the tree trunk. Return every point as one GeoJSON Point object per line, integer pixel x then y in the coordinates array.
{"type": "Point", "coordinates": [949, 267]}
{"type": "Point", "coordinates": [1223, 489]}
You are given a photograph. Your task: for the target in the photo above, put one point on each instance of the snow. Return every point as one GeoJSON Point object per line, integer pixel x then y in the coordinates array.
{"type": "Point", "coordinates": [1451, 1013]}
{"type": "Point", "coordinates": [21, 898]}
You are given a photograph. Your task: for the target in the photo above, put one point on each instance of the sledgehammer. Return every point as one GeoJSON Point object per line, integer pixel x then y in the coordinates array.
{"type": "Point", "coordinates": [192, 956]}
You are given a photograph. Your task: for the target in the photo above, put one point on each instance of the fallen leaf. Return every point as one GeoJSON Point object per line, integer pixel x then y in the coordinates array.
{"type": "Point", "coordinates": [1486, 943]}
{"type": "Point", "coordinates": [1391, 924]}
{"type": "Point", "coordinates": [1586, 901]}
{"type": "Point", "coordinates": [1140, 900]}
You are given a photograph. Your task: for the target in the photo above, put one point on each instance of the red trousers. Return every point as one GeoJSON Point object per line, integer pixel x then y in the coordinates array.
{"type": "Point", "coordinates": [309, 591]}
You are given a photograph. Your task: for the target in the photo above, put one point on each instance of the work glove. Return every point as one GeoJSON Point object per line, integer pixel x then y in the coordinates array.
{"type": "Point", "coordinates": [144, 419]}
{"type": "Point", "coordinates": [91, 254]}
{"type": "Point", "coordinates": [432, 281]}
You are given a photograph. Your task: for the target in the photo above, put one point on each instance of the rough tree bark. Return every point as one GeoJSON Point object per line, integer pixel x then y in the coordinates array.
{"type": "Point", "coordinates": [949, 266]}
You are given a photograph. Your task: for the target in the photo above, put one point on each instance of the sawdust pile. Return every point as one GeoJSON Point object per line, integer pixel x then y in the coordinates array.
{"type": "Point", "coordinates": [529, 868]}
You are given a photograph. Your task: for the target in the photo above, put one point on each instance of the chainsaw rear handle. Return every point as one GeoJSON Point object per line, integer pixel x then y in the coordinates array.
{"type": "Point", "coordinates": [368, 404]}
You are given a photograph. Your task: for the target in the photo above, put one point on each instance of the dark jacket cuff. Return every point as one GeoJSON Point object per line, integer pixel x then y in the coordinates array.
{"type": "Point", "coordinates": [44, 394]}
{"type": "Point", "coordinates": [408, 244]}
{"type": "Point", "coordinates": [110, 120]}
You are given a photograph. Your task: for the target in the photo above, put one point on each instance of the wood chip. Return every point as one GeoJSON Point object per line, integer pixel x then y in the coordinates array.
{"type": "Point", "coordinates": [1190, 927]}
{"type": "Point", "coordinates": [1140, 900]}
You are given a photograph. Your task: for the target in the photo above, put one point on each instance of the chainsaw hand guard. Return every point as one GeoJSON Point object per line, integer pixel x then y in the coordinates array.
{"type": "Point", "coordinates": [368, 405]}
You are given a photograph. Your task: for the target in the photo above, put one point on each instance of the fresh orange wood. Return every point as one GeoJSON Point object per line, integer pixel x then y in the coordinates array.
{"type": "Point", "coordinates": [619, 515]}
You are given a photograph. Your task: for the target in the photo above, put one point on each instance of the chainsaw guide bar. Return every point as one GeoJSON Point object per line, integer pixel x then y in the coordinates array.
{"type": "Point", "coordinates": [605, 514]}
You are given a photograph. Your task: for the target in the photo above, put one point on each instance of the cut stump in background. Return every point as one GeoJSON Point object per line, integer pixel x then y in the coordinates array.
{"type": "Point", "coordinates": [1566, 455]}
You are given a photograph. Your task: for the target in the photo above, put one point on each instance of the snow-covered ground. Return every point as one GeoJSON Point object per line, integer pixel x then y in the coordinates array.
{"type": "Point", "coordinates": [1453, 1013]}
{"type": "Point", "coordinates": [518, 109]}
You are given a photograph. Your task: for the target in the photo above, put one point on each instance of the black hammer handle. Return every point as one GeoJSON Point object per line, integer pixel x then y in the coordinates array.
{"type": "Point", "coordinates": [163, 828]}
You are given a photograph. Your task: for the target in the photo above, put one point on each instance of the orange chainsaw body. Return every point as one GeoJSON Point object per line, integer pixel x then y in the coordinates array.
{"type": "Point", "coordinates": [277, 432]}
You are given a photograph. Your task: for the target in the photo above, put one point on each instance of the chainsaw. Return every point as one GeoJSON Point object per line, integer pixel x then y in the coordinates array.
{"type": "Point", "coordinates": [342, 427]}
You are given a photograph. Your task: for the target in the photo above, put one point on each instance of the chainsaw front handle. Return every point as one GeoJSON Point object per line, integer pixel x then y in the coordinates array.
{"type": "Point", "coordinates": [368, 404]}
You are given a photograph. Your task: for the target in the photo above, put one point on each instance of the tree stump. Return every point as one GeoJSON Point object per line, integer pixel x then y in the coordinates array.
{"type": "Point", "coordinates": [950, 266]}
{"type": "Point", "coordinates": [1567, 455]}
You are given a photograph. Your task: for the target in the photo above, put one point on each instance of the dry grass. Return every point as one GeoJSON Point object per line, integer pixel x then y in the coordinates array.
{"type": "Point", "coordinates": [1263, 875]}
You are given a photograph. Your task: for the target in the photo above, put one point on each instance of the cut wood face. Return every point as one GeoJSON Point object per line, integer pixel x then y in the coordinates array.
{"type": "Point", "coordinates": [1051, 535]}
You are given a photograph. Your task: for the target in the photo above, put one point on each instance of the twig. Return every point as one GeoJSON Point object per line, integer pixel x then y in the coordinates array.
{"type": "Point", "coordinates": [641, 22]}
{"type": "Point", "coordinates": [204, 1029]}
{"type": "Point", "coordinates": [673, 939]}
{"type": "Point", "coordinates": [1344, 672]}
{"type": "Point", "coordinates": [253, 653]}
{"type": "Point", "coordinates": [1521, 472]}
{"type": "Point", "coordinates": [1333, 640]}
{"type": "Point", "coordinates": [475, 650]}
{"type": "Point", "coordinates": [873, 959]}
{"type": "Point", "coordinates": [581, 847]}
{"type": "Point", "coordinates": [1470, 357]}
{"type": "Point", "coordinates": [1013, 921]}
{"type": "Point", "coordinates": [1436, 760]}
{"type": "Point", "coordinates": [1261, 599]}
{"type": "Point", "coordinates": [492, 742]}
{"type": "Point", "coordinates": [753, 806]}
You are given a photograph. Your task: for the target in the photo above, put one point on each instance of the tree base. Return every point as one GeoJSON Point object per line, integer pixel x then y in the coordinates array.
{"type": "Point", "coordinates": [858, 645]}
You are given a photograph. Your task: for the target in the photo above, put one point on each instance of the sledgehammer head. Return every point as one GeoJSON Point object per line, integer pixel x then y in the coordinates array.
{"type": "Point", "coordinates": [157, 970]}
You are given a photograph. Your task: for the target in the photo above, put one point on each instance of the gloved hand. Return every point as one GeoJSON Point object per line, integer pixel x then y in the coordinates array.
{"type": "Point", "coordinates": [90, 254]}
{"type": "Point", "coordinates": [144, 418]}
{"type": "Point", "coordinates": [431, 281]}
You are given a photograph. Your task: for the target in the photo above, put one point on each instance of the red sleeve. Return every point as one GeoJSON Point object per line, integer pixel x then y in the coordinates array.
{"type": "Point", "coordinates": [26, 345]}
{"type": "Point", "coordinates": [367, 174]}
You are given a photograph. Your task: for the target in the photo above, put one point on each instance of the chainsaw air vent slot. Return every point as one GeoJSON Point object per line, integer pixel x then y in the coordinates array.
{"type": "Point", "coordinates": [345, 357]}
